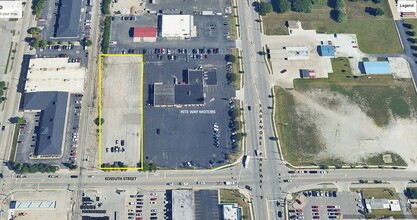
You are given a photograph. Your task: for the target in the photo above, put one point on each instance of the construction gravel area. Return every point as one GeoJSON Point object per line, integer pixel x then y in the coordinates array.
{"type": "Point", "coordinates": [349, 134]}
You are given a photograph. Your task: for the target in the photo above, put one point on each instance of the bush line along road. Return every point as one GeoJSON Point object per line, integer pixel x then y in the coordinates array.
{"type": "Point", "coordinates": [266, 175]}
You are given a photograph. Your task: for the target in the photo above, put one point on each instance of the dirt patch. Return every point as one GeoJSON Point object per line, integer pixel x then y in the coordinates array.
{"type": "Point", "coordinates": [348, 133]}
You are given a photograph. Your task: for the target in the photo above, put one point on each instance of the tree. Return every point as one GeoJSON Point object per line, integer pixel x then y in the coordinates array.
{"type": "Point", "coordinates": [376, 1]}
{"type": "Point", "coordinates": [35, 42]}
{"type": "Point", "coordinates": [98, 121]}
{"type": "Point", "coordinates": [21, 120]}
{"type": "Point", "coordinates": [412, 40]}
{"type": "Point", "coordinates": [411, 193]}
{"type": "Point", "coordinates": [302, 6]}
{"type": "Point", "coordinates": [336, 4]}
{"type": "Point", "coordinates": [33, 31]}
{"type": "Point", "coordinates": [338, 16]}
{"type": "Point", "coordinates": [43, 43]}
{"type": "Point", "coordinates": [265, 8]}
{"type": "Point", "coordinates": [230, 58]}
{"type": "Point", "coordinates": [88, 43]}
{"type": "Point", "coordinates": [379, 12]}
{"type": "Point", "coordinates": [73, 166]}
{"type": "Point", "coordinates": [283, 6]}
{"type": "Point", "coordinates": [410, 33]}
{"type": "Point", "coordinates": [234, 113]}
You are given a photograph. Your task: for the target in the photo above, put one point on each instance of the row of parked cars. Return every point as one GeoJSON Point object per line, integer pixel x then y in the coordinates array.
{"type": "Point", "coordinates": [308, 171]}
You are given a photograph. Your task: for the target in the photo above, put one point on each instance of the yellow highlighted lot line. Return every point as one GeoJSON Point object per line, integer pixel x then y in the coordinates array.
{"type": "Point", "coordinates": [100, 110]}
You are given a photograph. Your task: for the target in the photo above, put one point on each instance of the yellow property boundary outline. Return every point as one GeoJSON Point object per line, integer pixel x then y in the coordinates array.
{"type": "Point", "coordinates": [100, 72]}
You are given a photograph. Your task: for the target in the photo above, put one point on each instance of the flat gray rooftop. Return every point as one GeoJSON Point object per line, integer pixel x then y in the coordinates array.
{"type": "Point", "coordinates": [182, 204]}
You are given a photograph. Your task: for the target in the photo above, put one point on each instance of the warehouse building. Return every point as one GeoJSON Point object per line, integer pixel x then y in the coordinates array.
{"type": "Point", "coordinates": [178, 27]}
{"type": "Point", "coordinates": [68, 19]}
{"type": "Point", "coordinates": [144, 34]}
{"type": "Point", "coordinates": [376, 67]}
{"type": "Point", "coordinates": [32, 205]}
{"type": "Point", "coordinates": [52, 108]}
{"type": "Point", "coordinates": [326, 51]}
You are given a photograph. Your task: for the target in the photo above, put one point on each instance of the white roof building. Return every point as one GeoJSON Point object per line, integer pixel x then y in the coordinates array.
{"type": "Point", "coordinates": [231, 212]}
{"type": "Point", "coordinates": [54, 74]}
{"type": "Point", "coordinates": [183, 204]}
{"type": "Point", "coordinates": [178, 27]}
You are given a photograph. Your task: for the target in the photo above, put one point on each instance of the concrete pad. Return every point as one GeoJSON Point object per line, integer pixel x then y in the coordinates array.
{"type": "Point", "coordinates": [122, 109]}
{"type": "Point", "coordinates": [400, 67]}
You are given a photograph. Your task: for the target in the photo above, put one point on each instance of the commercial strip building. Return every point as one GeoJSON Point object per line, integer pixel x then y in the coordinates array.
{"type": "Point", "coordinates": [48, 86]}
{"type": "Point", "coordinates": [178, 27]}
{"type": "Point", "coordinates": [392, 205]}
{"type": "Point", "coordinates": [52, 107]}
{"type": "Point", "coordinates": [68, 19]}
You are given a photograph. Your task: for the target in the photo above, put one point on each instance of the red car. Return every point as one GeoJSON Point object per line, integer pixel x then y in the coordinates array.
{"type": "Point", "coordinates": [314, 207]}
{"type": "Point", "coordinates": [299, 210]}
{"type": "Point", "coordinates": [139, 218]}
{"type": "Point", "coordinates": [315, 210]}
{"type": "Point", "coordinates": [316, 217]}
{"type": "Point", "coordinates": [73, 154]}
{"type": "Point", "coordinates": [330, 206]}
{"type": "Point", "coordinates": [153, 199]}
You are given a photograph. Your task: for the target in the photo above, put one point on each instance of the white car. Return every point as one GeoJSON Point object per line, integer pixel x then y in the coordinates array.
{"type": "Point", "coordinates": [130, 210]}
{"type": "Point", "coordinates": [153, 194]}
{"type": "Point", "coordinates": [132, 203]}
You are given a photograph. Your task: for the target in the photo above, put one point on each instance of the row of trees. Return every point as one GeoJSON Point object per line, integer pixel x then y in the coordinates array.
{"type": "Point", "coordinates": [105, 44]}
{"type": "Point", "coordinates": [33, 168]}
{"type": "Point", "coordinates": [37, 6]}
{"type": "Point", "coordinates": [412, 34]}
{"type": "Point", "coordinates": [105, 7]}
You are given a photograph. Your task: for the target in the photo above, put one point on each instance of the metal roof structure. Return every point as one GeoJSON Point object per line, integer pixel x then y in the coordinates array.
{"type": "Point", "coordinates": [53, 108]}
{"type": "Point", "coordinates": [326, 51]}
{"type": "Point", "coordinates": [144, 32]}
{"type": "Point", "coordinates": [377, 67]}
{"type": "Point", "coordinates": [68, 19]}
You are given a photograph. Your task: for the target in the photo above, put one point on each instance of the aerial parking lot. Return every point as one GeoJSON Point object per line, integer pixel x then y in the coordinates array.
{"type": "Point", "coordinates": [121, 109]}
{"type": "Point", "coordinates": [196, 135]}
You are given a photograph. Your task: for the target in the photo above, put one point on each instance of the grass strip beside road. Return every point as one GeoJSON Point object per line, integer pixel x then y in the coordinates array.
{"type": "Point", "coordinates": [8, 58]}
{"type": "Point", "coordinates": [14, 143]}
{"type": "Point", "coordinates": [105, 44]}
{"type": "Point", "coordinates": [236, 69]}
{"type": "Point", "coordinates": [228, 196]}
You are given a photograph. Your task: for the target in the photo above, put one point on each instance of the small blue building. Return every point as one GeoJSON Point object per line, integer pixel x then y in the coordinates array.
{"type": "Point", "coordinates": [326, 51]}
{"type": "Point", "coordinates": [377, 67]}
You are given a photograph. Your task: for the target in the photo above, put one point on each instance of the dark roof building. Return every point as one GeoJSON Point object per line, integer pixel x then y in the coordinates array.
{"type": "Point", "coordinates": [188, 94]}
{"type": "Point", "coordinates": [68, 21]}
{"type": "Point", "coordinates": [53, 111]}
{"type": "Point", "coordinates": [163, 95]}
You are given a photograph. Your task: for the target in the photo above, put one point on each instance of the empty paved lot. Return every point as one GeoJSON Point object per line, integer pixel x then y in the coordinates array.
{"type": "Point", "coordinates": [121, 109]}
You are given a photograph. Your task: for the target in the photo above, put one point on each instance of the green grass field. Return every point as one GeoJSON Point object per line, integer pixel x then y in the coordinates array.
{"type": "Point", "coordinates": [235, 69]}
{"type": "Point", "coordinates": [377, 193]}
{"type": "Point", "coordinates": [233, 196]}
{"type": "Point", "coordinates": [369, 29]}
